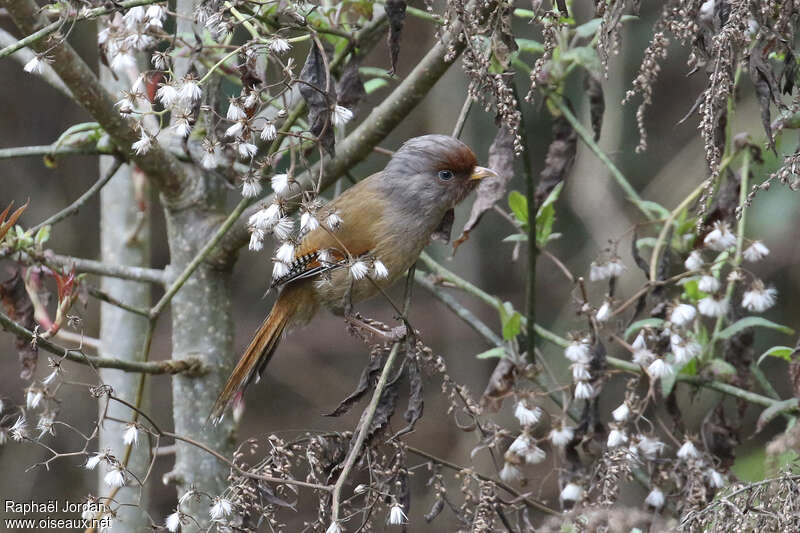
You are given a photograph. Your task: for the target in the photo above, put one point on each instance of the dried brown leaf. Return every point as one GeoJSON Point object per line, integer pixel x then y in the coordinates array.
{"type": "Point", "coordinates": [491, 190]}
{"type": "Point", "coordinates": [396, 13]}
{"type": "Point", "coordinates": [500, 383]}
{"type": "Point", "coordinates": [313, 91]}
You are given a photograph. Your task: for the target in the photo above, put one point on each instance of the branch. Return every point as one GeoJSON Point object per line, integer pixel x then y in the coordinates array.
{"type": "Point", "coordinates": [189, 367]}
{"type": "Point", "coordinates": [24, 55]}
{"type": "Point", "coordinates": [159, 165]}
{"type": "Point", "coordinates": [373, 129]}
{"type": "Point", "coordinates": [53, 150]}
{"type": "Point", "coordinates": [458, 468]}
{"type": "Point", "coordinates": [72, 208]}
{"type": "Point", "coordinates": [149, 275]}
{"type": "Point", "coordinates": [366, 422]}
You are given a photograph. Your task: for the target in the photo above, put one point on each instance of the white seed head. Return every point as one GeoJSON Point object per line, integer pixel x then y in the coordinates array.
{"type": "Point", "coordinates": [114, 477]}
{"type": "Point", "coordinates": [283, 228]}
{"type": "Point", "coordinates": [660, 369]}
{"type": "Point", "coordinates": [341, 115]}
{"type": "Point", "coordinates": [655, 498]}
{"type": "Point", "coordinates": [358, 270]}
{"type": "Point", "coordinates": [755, 252]}
{"type": "Point", "coordinates": [604, 313]}
{"type": "Point", "coordinates": [708, 283]}
{"type": "Point", "coordinates": [621, 413]}
{"type": "Point", "coordinates": [285, 252]}
{"type": "Point", "coordinates": [616, 438]}
{"type": "Point", "coordinates": [526, 416]}
{"type": "Point", "coordinates": [687, 451]}
{"type": "Point", "coordinates": [510, 473]}
{"type": "Point", "coordinates": [131, 435]}
{"type": "Point", "coordinates": [280, 183]}
{"type": "Point", "coordinates": [380, 270]}
{"type": "Point", "coordinates": [694, 261]}
{"type": "Point", "coordinates": [759, 298]}
{"type": "Point", "coordinates": [396, 516]}
{"type": "Point", "coordinates": [562, 436]}
{"type": "Point", "coordinates": [710, 306]}
{"type": "Point", "coordinates": [220, 508]}
{"type": "Point", "coordinates": [572, 492]}
{"type": "Point", "coordinates": [720, 238]}
{"type": "Point", "coordinates": [251, 187]}
{"type": "Point", "coordinates": [682, 314]}
{"type": "Point", "coordinates": [269, 133]}
{"type": "Point", "coordinates": [279, 269]}
{"type": "Point", "coordinates": [583, 390]}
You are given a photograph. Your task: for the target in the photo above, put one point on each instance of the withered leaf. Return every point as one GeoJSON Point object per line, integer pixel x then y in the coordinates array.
{"type": "Point", "coordinates": [368, 376]}
{"type": "Point", "coordinates": [597, 104]}
{"type": "Point", "coordinates": [396, 13]}
{"type": "Point", "coordinates": [436, 509]}
{"type": "Point", "coordinates": [319, 102]}
{"type": "Point", "coordinates": [350, 88]}
{"type": "Point", "coordinates": [384, 410]}
{"type": "Point", "coordinates": [499, 386]}
{"type": "Point", "coordinates": [503, 42]}
{"type": "Point", "coordinates": [248, 71]}
{"type": "Point", "coordinates": [6, 225]}
{"type": "Point", "coordinates": [491, 189]}
{"type": "Point", "coordinates": [767, 89]}
{"type": "Point", "coordinates": [559, 160]}
{"type": "Point", "coordinates": [18, 306]}
{"type": "Point", "coordinates": [415, 402]}
{"type": "Point", "coordinates": [269, 496]}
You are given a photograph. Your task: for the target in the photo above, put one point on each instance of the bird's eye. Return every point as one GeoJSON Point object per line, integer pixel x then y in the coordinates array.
{"type": "Point", "coordinates": [445, 175]}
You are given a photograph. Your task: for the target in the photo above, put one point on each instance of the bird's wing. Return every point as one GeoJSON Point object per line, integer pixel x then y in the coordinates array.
{"type": "Point", "coordinates": [323, 249]}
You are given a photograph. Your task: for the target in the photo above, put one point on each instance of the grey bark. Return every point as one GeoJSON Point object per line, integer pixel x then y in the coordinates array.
{"type": "Point", "coordinates": [121, 332]}
{"type": "Point", "coordinates": [201, 328]}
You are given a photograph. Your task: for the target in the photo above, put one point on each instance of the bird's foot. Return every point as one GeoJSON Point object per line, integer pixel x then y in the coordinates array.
{"type": "Point", "coordinates": [377, 329]}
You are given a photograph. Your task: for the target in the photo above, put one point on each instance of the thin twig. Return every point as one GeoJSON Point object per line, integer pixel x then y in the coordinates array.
{"type": "Point", "coordinates": [150, 275]}
{"type": "Point", "coordinates": [462, 117]}
{"type": "Point", "coordinates": [189, 367]}
{"type": "Point", "coordinates": [533, 503]}
{"type": "Point", "coordinates": [73, 208]}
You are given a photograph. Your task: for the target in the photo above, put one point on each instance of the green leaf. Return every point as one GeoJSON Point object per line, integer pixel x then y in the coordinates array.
{"type": "Point", "coordinates": [512, 327]}
{"type": "Point", "coordinates": [691, 292]}
{"type": "Point", "coordinates": [370, 86]}
{"type": "Point", "coordinates": [374, 72]}
{"type": "Point", "coordinates": [721, 369]}
{"type": "Point", "coordinates": [658, 209]}
{"type": "Point", "coordinates": [530, 46]}
{"type": "Point", "coordinates": [588, 29]}
{"type": "Point", "coordinates": [752, 322]}
{"type": "Point", "coordinates": [668, 383]}
{"type": "Point", "coordinates": [644, 323]}
{"type": "Point", "coordinates": [498, 351]}
{"type": "Point", "coordinates": [517, 237]}
{"type": "Point", "coordinates": [42, 235]}
{"type": "Point", "coordinates": [553, 196]}
{"type": "Point", "coordinates": [519, 206]}
{"type": "Point", "coordinates": [782, 352]}
{"type": "Point", "coordinates": [585, 56]}
{"type": "Point", "coordinates": [544, 225]}
{"type": "Point", "coordinates": [546, 215]}
{"type": "Point", "coordinates": [768, 414]}
{"type": "Point", "coordinates": [648, 242]}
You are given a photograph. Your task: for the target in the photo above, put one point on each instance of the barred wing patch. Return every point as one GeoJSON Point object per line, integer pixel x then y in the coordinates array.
{"type": "Point", "coordinates": [309, 265]}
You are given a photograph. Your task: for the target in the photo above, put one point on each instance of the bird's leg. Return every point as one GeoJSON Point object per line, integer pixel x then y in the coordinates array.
{"type": "Point", "coordinates": [390, 335]}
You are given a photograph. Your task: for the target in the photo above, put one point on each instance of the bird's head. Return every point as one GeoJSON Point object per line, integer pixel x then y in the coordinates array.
{"type": "Point", "coordinates": [433, 173]}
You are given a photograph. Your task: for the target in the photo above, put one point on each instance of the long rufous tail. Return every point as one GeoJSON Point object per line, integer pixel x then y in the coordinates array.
{"type": "Point", "coordinates": [258, 353]}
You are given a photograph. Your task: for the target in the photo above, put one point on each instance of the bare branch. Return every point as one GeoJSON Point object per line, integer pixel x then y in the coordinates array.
{"type": "Point", "coordinates": [73, 208]}
{"type": "Point", "coordinates": [188, 367]}
{"type": "Point", "coordinates": [150, 275]}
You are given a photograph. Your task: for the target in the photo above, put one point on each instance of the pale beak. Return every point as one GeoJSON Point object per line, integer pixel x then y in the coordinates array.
{"type": "Point", "coordinates": [478, 173]}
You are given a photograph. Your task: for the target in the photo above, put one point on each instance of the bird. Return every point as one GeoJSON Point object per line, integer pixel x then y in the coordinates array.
{"type": "Point", "coordinates": [368, 237]}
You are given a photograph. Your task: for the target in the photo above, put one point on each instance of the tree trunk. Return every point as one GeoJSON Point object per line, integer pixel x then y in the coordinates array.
{"type": "Point", "coordinates": [124, 240]}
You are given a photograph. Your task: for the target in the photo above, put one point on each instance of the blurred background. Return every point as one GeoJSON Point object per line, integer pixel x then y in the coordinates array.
{"type": "Point", "coordinates": [315, 369]}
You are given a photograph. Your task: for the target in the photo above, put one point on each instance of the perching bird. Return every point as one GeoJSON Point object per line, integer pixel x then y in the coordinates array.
{"type": "Point", "coordinates": [377, 231]}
